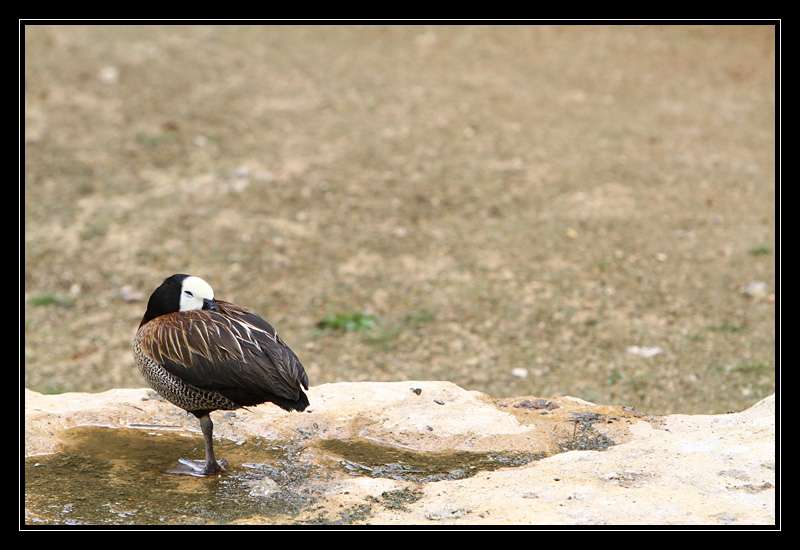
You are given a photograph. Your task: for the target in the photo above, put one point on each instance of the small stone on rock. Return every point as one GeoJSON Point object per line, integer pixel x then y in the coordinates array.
{"type": "Point", "coordinates": [263, 487]}
{"type": "Point", "coordinates": [585, 417]}
{"type": "Point", "coordinates": [536, 404]}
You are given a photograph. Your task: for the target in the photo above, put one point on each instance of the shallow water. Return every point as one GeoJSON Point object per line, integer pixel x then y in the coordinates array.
{"type": "Point", "coordinates": [364, 458]}
{"type": "Point", "coordinates": [118, 476]}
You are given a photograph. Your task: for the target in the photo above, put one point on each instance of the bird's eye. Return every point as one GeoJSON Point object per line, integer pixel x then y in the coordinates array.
{"type": "Point", "coordinates": [189, 294]}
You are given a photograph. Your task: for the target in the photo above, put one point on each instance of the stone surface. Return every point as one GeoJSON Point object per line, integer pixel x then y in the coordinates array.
{"type": "Point", "coordinates": [593, 464]}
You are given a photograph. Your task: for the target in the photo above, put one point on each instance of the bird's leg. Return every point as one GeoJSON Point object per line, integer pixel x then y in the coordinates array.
{"type": "Point", "coordinates": [212, 466]}
{"type": "Point", "coordinates": [198, 467]}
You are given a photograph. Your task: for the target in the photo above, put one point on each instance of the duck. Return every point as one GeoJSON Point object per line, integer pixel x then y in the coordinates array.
{"type": "Point", "coordinates": [203, 355]}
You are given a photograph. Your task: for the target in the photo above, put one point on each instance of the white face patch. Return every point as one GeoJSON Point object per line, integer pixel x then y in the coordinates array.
{"type": "Point", "coordinates": [193, 291]}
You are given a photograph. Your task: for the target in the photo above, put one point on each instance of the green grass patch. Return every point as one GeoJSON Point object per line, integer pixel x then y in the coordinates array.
{"type": "Point", "coordinates": [382, 337]}
{"type": "Point", "coordinates": [95, 229]}
{"type": "Point", "coordinates": [52, 389]}
{"type": "Point", "coordinates": [614, 377]}
{"type": "Point", "coordinates": [418, 318]}
{"type": "Point", "coordinates": [727, 328]}
{"type": "Point", "coordinates": [155, 140]}
{"type": "Point", "coordinates": [376, 333]}
{"type": "Point", "coordinates": [85, 187]}
{"type": "Point", "coordinates": [762, 250]}
{"type": "Point", "coordinates": [348, 322]}
{"type": "Point", "coordinates": [750, 367]}
{"type": "Point", "coordinates": [51, 299]}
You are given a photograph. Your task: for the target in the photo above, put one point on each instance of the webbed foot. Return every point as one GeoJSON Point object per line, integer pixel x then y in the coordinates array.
{"type": "Point", "coordinates": [198, 468]}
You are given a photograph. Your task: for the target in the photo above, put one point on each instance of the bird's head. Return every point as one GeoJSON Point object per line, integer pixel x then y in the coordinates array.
{"type": "Point", "coordinates": [180, 292]}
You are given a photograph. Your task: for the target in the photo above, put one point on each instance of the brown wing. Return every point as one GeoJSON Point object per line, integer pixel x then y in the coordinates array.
{"type": "Point", "coordinates": [232, 351]}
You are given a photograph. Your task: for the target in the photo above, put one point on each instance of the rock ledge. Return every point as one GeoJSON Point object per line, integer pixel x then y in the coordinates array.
{"type": "Point", "coordinates": [559, 460]}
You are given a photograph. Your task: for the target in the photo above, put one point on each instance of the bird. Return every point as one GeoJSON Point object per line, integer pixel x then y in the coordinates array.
{"type": "Point", "coordinates": [203, 354]}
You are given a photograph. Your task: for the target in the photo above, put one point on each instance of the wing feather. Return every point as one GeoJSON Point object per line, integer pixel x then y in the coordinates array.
{"type": "Point", "coordinates": [232, 351]}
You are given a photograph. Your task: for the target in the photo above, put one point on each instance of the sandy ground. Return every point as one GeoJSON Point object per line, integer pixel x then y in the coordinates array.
{"type": "Point", "coordinates": [537, 198]}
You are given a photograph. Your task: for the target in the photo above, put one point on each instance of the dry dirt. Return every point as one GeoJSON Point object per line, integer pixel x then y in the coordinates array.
{"type": "Point", "coordinates": [538, 198]}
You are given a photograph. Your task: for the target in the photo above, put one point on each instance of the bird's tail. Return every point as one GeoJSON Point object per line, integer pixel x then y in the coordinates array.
{"type": "Point", "coordinates": [298, 404]}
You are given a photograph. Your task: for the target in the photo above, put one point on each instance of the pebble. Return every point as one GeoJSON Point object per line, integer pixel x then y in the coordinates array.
{"type": "Point", "coordinates": [263, 487]}
{"type": "Point", "coordinates": [109, 74]}
{"type": "Point", "coordinates": [645, 351]}
{"type": "Point", "coordinates": [238, 185]}
{"type": "Point", "coordinates": [585, 417]}
{"type": "Point", "coordinates": [519, 372]}
{"type": "Point", "coordinates": [755, 289]}
{"type": "Point", "coordinates": [536, 404]}
{"type": "Point", "coordinates": [445, 514]}
{"type": "Point", "coordinates": [438, 402]}
{"type": "Point", "coordinates": [417, 390]}
{"type": "Point", "coordinates": [129, 294]}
